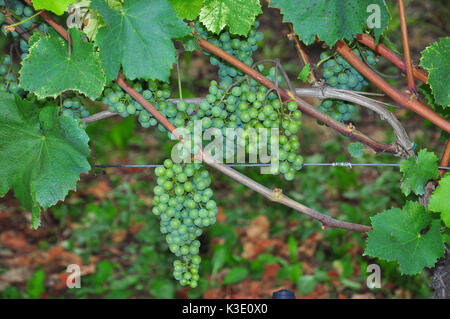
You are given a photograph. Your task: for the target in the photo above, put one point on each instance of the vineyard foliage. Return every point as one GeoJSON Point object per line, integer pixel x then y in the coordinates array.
{"type": "Point", "coordinates": [44, 146]}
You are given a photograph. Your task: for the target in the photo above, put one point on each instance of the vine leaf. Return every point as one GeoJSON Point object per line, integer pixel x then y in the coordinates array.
{"type": "Point", "coordinates": [56, 6]}
{"type": "Point", "coordinates": [187, 9]}
{"type": "Point", "coordinates": [238, 15]}
{"type": "Point", "coordinates": [138, 37]}
{"type": "Point", "coordinates": [440, 200]}
{"type": "Point", "coordinates": [332, 20]}
{"type": "Point", "coordinates": [356, 149]}
{"type": "Point", "coordinates": [417, 172]}
{"type": "Point", "coordinates": [409, 235]}
{"type": "Point", "coordinates": [42, 153]}
{"type": "Point", "coordinates": [48, 70]}
{"type": "Point", "coordinates": [435, 60]}
{"type": "Point", "coordinates": [441, 110]}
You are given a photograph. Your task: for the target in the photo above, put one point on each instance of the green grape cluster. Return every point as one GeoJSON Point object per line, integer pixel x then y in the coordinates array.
{"type": "Point", "coordinates": [153, 91]}
{"type": "Point", "coordinates": [8, 81]}
{"type": "Point", "coordinates": [182, 200]}
{"type": "Point", "coordinates": [74, 107]}
{"type": "Point", "coordinates": [20, 12]}
{"type": "Point", "coordinates": [240, 47]}
{"type": "Point", "coordinates": [342, 75]}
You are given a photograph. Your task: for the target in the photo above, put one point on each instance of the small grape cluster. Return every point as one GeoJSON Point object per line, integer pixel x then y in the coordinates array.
{"type": "Point", "coordinates": [182, 199]}
{"type": "Point", "coordinates": [238, 46]}
{"type": "Point", "coordinates": [74, 107]}
{"type": "Point", "coordinates": [342, 75]}
{"type": "Point", "coordinates": [123, 104]}
{"type": "Point", "coordinates": [8, 81]}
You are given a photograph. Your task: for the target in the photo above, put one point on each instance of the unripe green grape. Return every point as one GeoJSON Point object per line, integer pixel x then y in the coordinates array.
{"type": "Point", "coordinates": [332, 81]}
{"type": "Point", "coordinates": [131, 109]}
{"type": "Point", "coordinates": [371, 59]}
{"type": "Point", "coordinates": [235, 44]}
{"type": "Point", "coordinates": [343, 78]}
{"type": "Point", "coordinates": [182, 106]}
{"type": "Point", "coordinates": [236, 91]}
{"type": "Point", "coordinates": [297, 114]}
{"type": "Point", "coordinates": [210, 98]}
{"type": "Point", "coordinates": [328, 73]}
{"type": "Point", "coordinates": [342, 108]}
{"type": "Point", "coordinates": [168, 164]}
{"type": "Point", "coordinates": [292, 106]}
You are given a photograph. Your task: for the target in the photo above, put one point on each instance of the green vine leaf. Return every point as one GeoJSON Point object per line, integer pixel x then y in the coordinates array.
{"type": "Point", "coordinates": [56, 6]}
{"type": "Point", "coordinates": [440, 200]}
{"type": "Point", "coordinates": [187, 9]}
{"type": "Point", "coordinates": [333, 20]}
{"type": "Point", "coordinates": [138, 37]}
{"type": "Point", "coordinates": [48, 70]}
{"type": "Point", "coordinates": [409, 236]}
{"type": "Point", "coordinates": [417, 172]}
{"type": "Point", "coordinates": [42, 153]}
{"type": "Point", "coordinates": [238, 15]}
{"type": "Point", "coordinates": [304, 73]}
{"type": "Point", "coordinates": [435, 59]}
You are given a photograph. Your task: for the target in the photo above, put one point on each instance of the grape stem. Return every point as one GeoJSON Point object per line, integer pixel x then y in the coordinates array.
{"type": "Point", "coordinates": [326, 221]}
{"type": "Point", "coordinates": [14, 25]}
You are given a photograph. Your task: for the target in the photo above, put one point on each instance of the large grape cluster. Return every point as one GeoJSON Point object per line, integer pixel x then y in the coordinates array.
{"type": "Point", "coordinates": [249, 105]}
{"type": "Point", "coordinates": [183, 202]}
{"type": "Point", "coordinates": [342, 75]}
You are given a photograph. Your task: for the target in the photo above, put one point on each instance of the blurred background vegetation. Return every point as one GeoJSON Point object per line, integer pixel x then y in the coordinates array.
{"type": "Point", "coordinates": [257, 246]}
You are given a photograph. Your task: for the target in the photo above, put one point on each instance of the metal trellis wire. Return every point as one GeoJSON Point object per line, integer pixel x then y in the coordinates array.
{"type": "Point", "coordinates": [335, 164]}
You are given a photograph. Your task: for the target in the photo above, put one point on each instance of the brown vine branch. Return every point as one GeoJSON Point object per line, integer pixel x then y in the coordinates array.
{"type": "Point", "coordinates": [383, 50]}
{"type": "Point", "coordinates": [407, 53]}
{"type": "Point", "coordinates": [274, 195]}
{"type": "Point", "coordinates": [445, 158]}
{"type": "Point", "coordinates": [403, 100]}
{"type": "Point", "coordinates": [345, 130]}
{"type": "Point", "coordinates": [301, 50]}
